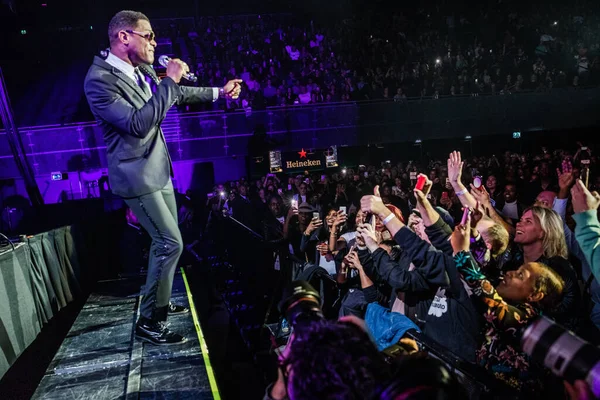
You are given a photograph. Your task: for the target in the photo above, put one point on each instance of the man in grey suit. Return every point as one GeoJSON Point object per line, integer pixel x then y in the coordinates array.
{"type": "Point", "coordinates": [130, 102]}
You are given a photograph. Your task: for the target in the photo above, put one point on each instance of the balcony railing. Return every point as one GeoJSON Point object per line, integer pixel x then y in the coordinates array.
{"type": "Point", "coordinates": [219, 134]}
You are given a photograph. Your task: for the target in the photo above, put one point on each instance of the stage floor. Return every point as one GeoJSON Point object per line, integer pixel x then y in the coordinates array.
{"type": "Point", "coordinates": [100, 359]}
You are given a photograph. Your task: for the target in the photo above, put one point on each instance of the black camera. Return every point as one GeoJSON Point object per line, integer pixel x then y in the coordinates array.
{"type": "Point", "coordinates": [301, 305]}
{"type": "Point", "coordinates": [565, 354]}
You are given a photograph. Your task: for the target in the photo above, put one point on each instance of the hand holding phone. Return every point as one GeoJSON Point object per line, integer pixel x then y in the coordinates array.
{"type": "Point", "coordinates": [295, 203]}
{"type": "Point", "coordinates": [465, 216]}
{"type": "Point", "coordinates": [420, 182]}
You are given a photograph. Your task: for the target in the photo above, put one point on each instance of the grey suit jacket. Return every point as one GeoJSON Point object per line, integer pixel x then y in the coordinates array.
{"type": "Point", "coordinates": [138, 158]}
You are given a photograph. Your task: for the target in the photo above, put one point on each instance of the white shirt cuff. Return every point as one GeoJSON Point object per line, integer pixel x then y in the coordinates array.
{"type": "Point", "coordinates": [215, 94]}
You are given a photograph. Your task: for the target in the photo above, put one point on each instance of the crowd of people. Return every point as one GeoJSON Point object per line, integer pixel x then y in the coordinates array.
{"type": "Point", "coordinates": [472, 285]}
{"type": "Point", "coordinates": [427, 52]}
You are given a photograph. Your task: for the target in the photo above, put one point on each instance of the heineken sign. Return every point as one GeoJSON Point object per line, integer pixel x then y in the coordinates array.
{"type": "Point", "coordinates": [300, 161]}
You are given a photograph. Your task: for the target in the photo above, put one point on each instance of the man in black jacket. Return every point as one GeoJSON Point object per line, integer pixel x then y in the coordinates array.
{"type": "Point", "coordinates": [130, 102]}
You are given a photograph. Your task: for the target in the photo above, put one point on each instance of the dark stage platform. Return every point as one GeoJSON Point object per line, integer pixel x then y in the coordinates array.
{"type": "Point", "coordinates": [100, 359]}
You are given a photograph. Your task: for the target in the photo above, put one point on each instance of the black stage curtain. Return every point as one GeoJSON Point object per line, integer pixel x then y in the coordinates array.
{"type": "Point", "coordinates": [37, 279]}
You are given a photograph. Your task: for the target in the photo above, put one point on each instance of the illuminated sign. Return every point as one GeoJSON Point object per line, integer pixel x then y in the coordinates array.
{"type": "Point", "coordinates": [303, 164]}
{"type": "Point", "coordinates": [303, 160]}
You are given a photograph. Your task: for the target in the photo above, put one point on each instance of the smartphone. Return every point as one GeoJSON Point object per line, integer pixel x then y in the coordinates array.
{"type": "Point", "coordinates": [294, 203]}
{"type": "Point", "coordinates": [586, 174]}
{"type": "Point", "coordinates": [280, 191]}
{"type": "Point", "coordinates": [420, 182]}
{"type": "Point", "coordinates": [413, 175]}
{"type": "Point", "coordinates": [343, 209]}
{"type": "Point", "coordinates": [289, 187]}
{"type": "Point", "coordinates": [210, 195]}
{"type": "Point", "coordinates": [466, 213]}
{"type": "Point", "coordinates": [477, 182]}
{"type": "Point", "coordinates": [222, 195]}
{"type": "Point", "coordinates": [316, 215]}
{"type": "Point", "coordinates": [366, 174]}
{"type": "Point", "coordinates": [584, 148]}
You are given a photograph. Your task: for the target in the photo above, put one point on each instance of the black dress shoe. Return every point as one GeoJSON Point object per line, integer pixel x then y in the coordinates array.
{"type": "Point", "coordinates": [177, 309]}
{"type": "Point", "coordinates": [156, 333]}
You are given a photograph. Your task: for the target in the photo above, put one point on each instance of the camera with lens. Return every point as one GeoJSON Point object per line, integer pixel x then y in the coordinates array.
{"type": "Point", "coordinates": [301, 305]}
{"type": "Point", "coordinates": [565, 354]}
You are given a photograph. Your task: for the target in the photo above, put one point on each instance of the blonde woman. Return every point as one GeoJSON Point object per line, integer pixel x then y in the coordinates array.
{"type": "Point", "coordinates": [539, 237]}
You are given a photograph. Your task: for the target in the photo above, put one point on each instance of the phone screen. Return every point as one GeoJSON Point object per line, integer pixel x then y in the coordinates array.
{"type": "Point", "coordinates": [343, 209]}
{"type": "Point", "coordinates": [315, 215]}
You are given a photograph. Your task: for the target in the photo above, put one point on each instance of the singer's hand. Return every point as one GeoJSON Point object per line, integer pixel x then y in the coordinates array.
{"type": "Point", "coordinates": [176, 69]}
{"type": "Point", "coordinates": [233, 88]}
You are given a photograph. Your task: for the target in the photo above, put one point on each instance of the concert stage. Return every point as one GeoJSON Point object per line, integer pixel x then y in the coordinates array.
{"type": "Point", "coordinates": [101, 359]}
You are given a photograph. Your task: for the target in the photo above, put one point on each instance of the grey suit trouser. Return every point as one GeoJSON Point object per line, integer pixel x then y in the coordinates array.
{"type": "Point", "coordinates": [157, 213]}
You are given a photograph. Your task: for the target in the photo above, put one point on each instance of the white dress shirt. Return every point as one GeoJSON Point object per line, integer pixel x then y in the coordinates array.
{"type": "Point", "coordinates": [133, 73]}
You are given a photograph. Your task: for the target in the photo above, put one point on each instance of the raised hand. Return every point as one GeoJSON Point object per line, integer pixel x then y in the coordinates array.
{"type": "Point", "coordinates": [421, 195]}
{"type": "Point", "coordinates": [583, 200]}
{"type": "Point", "coordinates": [461, 237]}
{"type": "Point", "coordinates": [368, 234]}
{"type": "Point", "coordinates": [372, 204]}
{"type": "Point", "coordinates": [292, 211]}
{"type": "Point", "coordinates": [566, 179]}
{"type": "Point", "coordinates": [455, 166]}
{"type": "Point", "coordinates": [339, 220]}
{"type": "Point", "coordinates": [313, 226]}
{"type": "Point", "coordinates": [353, 260]}
{"type": "Point", "coordinates": [481, 195]}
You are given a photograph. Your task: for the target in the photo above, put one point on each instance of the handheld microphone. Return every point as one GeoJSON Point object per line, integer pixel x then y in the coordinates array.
{"type": "Point", "coordinates": [164, 61]}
